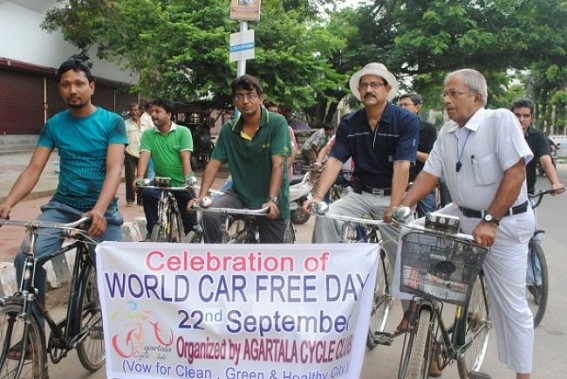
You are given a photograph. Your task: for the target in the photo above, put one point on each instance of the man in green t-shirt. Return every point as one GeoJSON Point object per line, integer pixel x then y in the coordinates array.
{"type": "Point", "coordinates": [169, 145]}
{"type": "Point", "coordinates": [256, 146]}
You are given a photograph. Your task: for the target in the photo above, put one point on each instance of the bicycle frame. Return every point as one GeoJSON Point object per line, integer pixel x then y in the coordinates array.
{"type": "Point", "coordinates": [248, 233]}
{"type": "Point", "coordinates": [466, 340]}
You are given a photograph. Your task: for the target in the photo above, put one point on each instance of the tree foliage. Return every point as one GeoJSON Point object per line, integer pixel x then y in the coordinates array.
{"type": "Point", "coordinates": [306, 50]}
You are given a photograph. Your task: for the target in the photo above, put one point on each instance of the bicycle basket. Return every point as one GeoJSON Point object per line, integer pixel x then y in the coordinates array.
{"type": "Point", "coordinates": [439, 266]}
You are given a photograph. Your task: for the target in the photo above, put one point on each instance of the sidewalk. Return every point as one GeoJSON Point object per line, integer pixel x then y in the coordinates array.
{"type": "Point", "coordinates": [29, 208]}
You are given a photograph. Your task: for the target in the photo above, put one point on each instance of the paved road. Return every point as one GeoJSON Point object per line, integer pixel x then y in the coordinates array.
{"type": "Point", "coordinates": [382, 362]}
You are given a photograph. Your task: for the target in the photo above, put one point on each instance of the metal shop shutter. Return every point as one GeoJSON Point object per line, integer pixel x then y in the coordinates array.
{"type": "Point", "coordinates": [55, 103]}
{"type": "Point", "coordinates": [104, 97]}
{"type": "Point", "coordinates": [21, 103]}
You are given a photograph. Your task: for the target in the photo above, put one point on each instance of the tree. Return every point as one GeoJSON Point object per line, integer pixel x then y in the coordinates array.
{"type": "Point", "coordinates": [180, 47]}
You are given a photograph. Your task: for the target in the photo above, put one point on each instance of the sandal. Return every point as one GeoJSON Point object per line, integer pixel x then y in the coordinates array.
{"type": "Point", "coordinates": [408, 320]}
{"type": "Point", "coordinates": [15, 351]}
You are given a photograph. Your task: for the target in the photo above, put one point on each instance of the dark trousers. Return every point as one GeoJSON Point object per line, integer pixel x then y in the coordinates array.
{"type": "Point", "coordinates": [130, 166]}
{"type": "Point", "coordinates": [150, 198]}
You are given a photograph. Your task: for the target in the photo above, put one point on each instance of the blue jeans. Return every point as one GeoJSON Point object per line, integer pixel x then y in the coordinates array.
{"type": "Point", "coordinates": [49, 240]}
{"type": "Point", "coordinates": [426, 205]}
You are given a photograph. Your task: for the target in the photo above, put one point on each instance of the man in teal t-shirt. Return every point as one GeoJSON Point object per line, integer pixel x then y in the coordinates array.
{"type": "Point", "coordinates": [90, 142]}
{"type": "Point", "coordinates": [170, 146]}
{"type": "Point", "coordinates": [255, 146]}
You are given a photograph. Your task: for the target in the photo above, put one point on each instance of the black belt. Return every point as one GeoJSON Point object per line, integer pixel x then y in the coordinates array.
{"type": "Point", "coordinates": [374, 191]}
{"type": "Point", "coordinates": [480, 214]}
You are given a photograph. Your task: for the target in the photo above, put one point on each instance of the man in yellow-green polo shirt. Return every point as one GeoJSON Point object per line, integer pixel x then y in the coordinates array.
{"type": "Point", "coordinates": [256, 146]}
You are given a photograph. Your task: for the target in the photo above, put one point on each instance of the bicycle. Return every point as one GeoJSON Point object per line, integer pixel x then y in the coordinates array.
{"type": "Point", "coordinates": [239, 225]}
{"type": "Point", "coordinates": [440, 265]}
{"type": "Point", "coordinates": [537, 293]}
{"type": "Point", "coordinates": [22, 314]}
{"type": "Point", "coordinates": [365, 230]}
{"type": "Point", "coordinates": [169, 225]}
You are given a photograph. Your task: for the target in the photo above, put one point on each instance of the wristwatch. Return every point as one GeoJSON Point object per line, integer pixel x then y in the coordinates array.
{"type": "Point", "coordinates": [490, 218]}
{"type": "Point", "coordinates": [273, 199]}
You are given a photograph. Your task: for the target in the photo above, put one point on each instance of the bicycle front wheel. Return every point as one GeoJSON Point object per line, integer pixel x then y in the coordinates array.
{"type": "Point", "coordinates": [417, 359]}
{"type": "Point", "coordinates": [477, 329]}
{"type": "Point", "coordinates": [381, 301]}
{"type": "Point", "coordinates": [91, 348]}
{"type": "Point", "coordinates": [537, 290]}
{"type": "Point", "coordinates": [27, 358]}
{"type": "Point", "coordinates": [174, 228]}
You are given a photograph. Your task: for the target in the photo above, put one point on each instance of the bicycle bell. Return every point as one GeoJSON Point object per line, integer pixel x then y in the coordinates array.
{"type": "Point", "coordinates": [205, 202]}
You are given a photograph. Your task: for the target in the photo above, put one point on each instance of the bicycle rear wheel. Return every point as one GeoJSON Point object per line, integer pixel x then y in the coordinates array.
{"type": "Point", "coordinates": [477, 329]}
{"type": "Point", "coordinates": [537, 292]}
{"type": "Point", "coordinates": [91, 348]}
{"type": "Point", "coordinates": [381, 301]}
{"type": "Point", "coordinates": [417, 353]}
{"type": "Point", "coordinates": [33, 356]}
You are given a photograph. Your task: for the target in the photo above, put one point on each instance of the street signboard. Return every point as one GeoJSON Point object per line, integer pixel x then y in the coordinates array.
{"type": "Point", "coordinates": [245, 10]}
{"type": "Point", "coordinates": [242, 46]}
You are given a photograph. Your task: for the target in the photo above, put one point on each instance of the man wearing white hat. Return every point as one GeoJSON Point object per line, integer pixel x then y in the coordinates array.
{"type": "Point", "coordinates": [382, 140]}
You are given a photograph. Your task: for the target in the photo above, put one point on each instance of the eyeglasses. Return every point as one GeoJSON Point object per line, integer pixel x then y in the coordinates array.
{"type": "Point", "coordinates": [374, 85]}
{"type": "Point", "coordinates": [404, 105]}
{"type": "Point", "coordinates": [453, 94]}
{"type": "Point", "coordinates": [249, 96]}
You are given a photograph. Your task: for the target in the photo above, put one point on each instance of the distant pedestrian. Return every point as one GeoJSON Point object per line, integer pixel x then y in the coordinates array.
{"type": "Point", "coordinates": [134, 130]}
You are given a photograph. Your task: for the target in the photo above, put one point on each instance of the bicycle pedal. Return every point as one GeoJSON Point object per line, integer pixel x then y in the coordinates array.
{"type": "Point", "coordinates": [383, 338]}
{"type": "Point", "coordinates": [97, 333]}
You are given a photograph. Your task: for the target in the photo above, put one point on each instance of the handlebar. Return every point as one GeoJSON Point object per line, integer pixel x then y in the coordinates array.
{"type": "Point", "coordinates": [321, 210]}
{"type": "Point", "coordinates": [233, 211]}
{"type": "Point", "coordinates": [539, 197]}
{"type": "Point", "coordinates": [69, 228]}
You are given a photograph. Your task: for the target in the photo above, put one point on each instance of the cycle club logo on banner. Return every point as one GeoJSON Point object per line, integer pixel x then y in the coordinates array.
{"type": "Point", "coordinates": [228, 311]}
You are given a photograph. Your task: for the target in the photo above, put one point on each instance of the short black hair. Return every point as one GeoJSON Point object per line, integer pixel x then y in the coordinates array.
{"type": "Point", "coordinates": [247, 82]}
{"type": "Point", "coordinates": [163, 103]}
{"type": "Point", "coordinates": [76, 65]}
{"type": "Point", "coordinates": [328, 126]}
{"type": "Point", "coordinates": [414, 97]}
{"type": "Point", "coordinates": [269, 103]}
{"type": "Point", "coordinates": [523, 103]}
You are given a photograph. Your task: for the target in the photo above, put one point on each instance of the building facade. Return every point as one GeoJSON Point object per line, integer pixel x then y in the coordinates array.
{"type": "Point", "coordinates": [29, 57]}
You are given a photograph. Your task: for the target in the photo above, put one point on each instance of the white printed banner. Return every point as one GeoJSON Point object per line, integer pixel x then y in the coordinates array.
{"type": "Point", "coordinates": [235, 311]}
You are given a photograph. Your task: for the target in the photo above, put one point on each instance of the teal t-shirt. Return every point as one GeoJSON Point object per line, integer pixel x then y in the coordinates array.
{"type": "Point", "coordinates": [165, 151]}
{"type": "Point", "coordinates": [250, 161]}
{"type": "Point", "coordinates": [82, 144]}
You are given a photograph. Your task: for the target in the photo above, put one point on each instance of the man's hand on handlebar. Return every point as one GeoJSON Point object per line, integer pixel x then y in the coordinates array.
{"type": "Point", "coordinates": [273, 210]}
{"type": "Point", "coordinates": [559, 189]}
{"type": "Point", "coordinates": [5, 211]}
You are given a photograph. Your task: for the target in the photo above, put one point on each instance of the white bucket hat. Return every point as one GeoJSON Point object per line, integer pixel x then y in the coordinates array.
{"type": "Point", "coordinates": [377, 69]}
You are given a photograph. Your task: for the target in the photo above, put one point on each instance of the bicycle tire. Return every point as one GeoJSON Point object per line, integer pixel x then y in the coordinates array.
{"type": "Point", "coordinates": [174, 227]}
{"type": "Point", "coordinates": [537, 294]}
{"type": "Point", "coordinates": [195, 237]}
{"type": "Point", "coordinates": [91, 348]}
{"type": "Point", "coordinates": [477, 331]}
{"type": "Point", "coordinates": [157, 234]}
{"type": "Point", "coordinates": [381, 301]}
{"type": "Point", "coordinates": [289, 236]}
{"type": "Point", "coordinates": [12, 332]}
{"type": "Point", "coordinates": [419, 348]}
